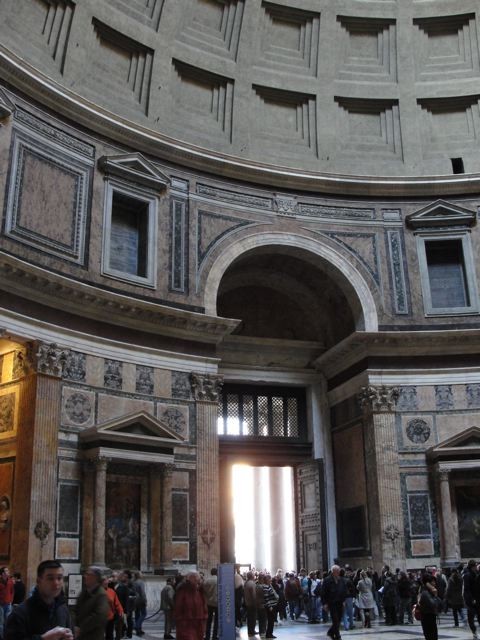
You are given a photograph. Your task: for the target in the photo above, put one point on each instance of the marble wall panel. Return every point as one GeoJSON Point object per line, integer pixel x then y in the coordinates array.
{"type": "Point", "coordinates": [67, 548]}
{"type": "Point", "coordinates": [48, 193]}
{"type": "Point", "coordinates": [180, 551]}
{"type": "Point", "coordinates": [78, 407]}
{"type": "Point", "coordinates": [181, 480]}
{"type": "Point", "coordinates": [348, 453]}
{"type": "Point", "coordinates": [426, 399]}
{"type": "Point", "coordinates": [68, 470]}
{"type": "Point", "coordinates": [162, 383]}
{"type": "Point", "coordinates": [110, 407]}
{"type": "Point", "coordinates": [444, 397]}
{"type": "Point", "coordinates": [94, 371]}
{"type": "Point", "coordinates": [451, 424]}
{"type": "Point", "coordinates": [417, 483]}
{"type": "Point", "coordinates": [422, 547]}
{"type": "Point", "coordinates": [129, 377]}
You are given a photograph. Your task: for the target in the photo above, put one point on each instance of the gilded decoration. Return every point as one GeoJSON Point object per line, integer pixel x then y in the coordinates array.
{"type": "Point", "coordinates": [9, 399]}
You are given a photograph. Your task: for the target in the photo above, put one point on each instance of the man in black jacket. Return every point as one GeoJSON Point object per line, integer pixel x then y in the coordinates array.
{"type": "Point", "coordinates": [471, 594]}
{"type": "Point", "coordinates": [45, 615]}
{"type": "Point", "coordinates": [334, 592]}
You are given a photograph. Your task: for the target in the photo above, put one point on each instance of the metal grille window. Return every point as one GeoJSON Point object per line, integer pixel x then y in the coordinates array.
{"type": "Point", "coordinates": [262, 412]}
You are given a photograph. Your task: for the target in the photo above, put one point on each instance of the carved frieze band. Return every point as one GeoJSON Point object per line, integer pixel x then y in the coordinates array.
{"type": "Point", "coordinates": [206, 387]}
{"type": "Point", "coordinates": [381, 399]}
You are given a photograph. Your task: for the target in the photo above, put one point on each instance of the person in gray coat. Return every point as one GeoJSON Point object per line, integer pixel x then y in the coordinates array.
{"type": "Point", "coordinates": [167, 601]}
{"type": "Point", "coordinates": [92, 607]}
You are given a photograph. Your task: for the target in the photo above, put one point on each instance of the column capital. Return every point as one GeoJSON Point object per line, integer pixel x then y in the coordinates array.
{"type": "Point", "coordinates": [378, 399]}
{"type": "Point", "coordinates": [167, 470]}
{"type": "Point", "coordinates": [206, 387]}
{"type": "Point", "coordinates": [50, 359]}
{"type": "Point", "coordinates": [443, 474]}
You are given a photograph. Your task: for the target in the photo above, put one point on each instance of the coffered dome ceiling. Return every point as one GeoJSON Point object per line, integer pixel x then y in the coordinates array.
{"type": "Point", "coordinates": [380, 88]}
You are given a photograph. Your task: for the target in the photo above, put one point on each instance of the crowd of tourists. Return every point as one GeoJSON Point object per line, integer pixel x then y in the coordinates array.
{"type": "Point", "coordinates": [342, 599]}
{"type": "Point", "coordinates": [113, 607]}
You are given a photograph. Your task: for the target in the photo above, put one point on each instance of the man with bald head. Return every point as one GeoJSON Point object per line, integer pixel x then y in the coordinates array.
{"type": "Point", "coordinates": [334, 592]}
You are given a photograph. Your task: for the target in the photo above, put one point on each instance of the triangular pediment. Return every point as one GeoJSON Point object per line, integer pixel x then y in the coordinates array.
{"type": "Point", "coordinates": [136, 169]}
{"type": "Point", "coordinates": [139, 428]}
{"type": "Point", "coordinates": [466, 443]}
{"type": "Point", "coordinates": [441, 214]}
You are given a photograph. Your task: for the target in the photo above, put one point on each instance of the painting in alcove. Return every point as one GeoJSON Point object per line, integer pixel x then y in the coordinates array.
{"type": "Point", "coordinates": [122, 536]}
{"type": "Point", "coordinates": [6, 488]}
{"type": "Point", "coordinates": [468, 510]}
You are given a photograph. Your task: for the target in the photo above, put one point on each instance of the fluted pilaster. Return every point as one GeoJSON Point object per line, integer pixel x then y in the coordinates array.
{"type": "Point", "coordinates": [383, 475]}
{"type": "Point", "coordinates": [206, 389]}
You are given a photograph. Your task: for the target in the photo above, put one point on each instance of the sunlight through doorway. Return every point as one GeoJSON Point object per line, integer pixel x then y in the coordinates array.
{"type": "Point", "coordinates": [263, 514]}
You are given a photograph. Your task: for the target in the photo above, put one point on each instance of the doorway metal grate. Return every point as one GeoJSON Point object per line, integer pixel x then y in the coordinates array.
{"type": "Point", "coordinates": [248, 410]}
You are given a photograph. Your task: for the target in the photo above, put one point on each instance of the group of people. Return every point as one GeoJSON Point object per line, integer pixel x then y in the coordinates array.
{"type": "Point", "coordinates": [114, 606]}
{"type": "Point", "coordinates": [342, 597]}
{"type": "Point", "coordinates": [106, 605]}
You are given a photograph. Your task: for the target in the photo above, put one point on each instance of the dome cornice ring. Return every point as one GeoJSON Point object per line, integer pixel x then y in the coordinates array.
{"type": "Point", "coordinates": [46, 91]}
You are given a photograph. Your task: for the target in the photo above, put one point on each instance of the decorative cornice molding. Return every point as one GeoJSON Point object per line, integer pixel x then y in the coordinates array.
{"type": "Point", "coordinates": [380, 399]}
{"type": "Point", "coordinates": [360, 345]}
{"type": "Point", "coordinates": [206, 387]}
{"type": "Point", "coordinates": [39, 86]}
{"type": "Point", "coordinates": [53, 290]}
{"type": "Point", "coordinates": [6, 106]}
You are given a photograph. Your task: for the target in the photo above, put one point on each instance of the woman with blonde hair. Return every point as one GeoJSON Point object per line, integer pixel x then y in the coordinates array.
{"type": "Point", "coordinates": [366, 602]}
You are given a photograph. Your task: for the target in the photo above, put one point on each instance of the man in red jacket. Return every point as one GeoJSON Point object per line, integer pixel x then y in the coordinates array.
{"type": "Point", "coordinates": [6, 591]}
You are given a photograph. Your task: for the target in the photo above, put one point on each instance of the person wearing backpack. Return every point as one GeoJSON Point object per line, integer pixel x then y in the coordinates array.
{"type": "Point", "coordinates": [292, 595]}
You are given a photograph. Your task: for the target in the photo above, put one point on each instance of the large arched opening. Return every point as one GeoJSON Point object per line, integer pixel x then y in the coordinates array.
{"type": "Point", "coordinates": [294, 304]}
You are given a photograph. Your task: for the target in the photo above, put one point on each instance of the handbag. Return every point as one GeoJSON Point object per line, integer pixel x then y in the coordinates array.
{"type": "Point", "coordinates": [416, 612]}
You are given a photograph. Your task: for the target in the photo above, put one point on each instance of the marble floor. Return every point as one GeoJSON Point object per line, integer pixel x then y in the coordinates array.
{"type": "Point", "coordinates": [301, 630]}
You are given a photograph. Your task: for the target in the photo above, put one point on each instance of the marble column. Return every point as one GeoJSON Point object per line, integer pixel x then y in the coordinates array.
{"type": "Point", "coordinates": [385, 514]}
{"type": "Point", "coordinates": [206, 390]}
{"type": "Point", "coordinates": [39, 371]}
{"type": "Point", "coordinates": [100, 506]}
{"type": "Point", "coordinates": [155, 516]}
{"type": "Point", "coordinates": [88, 502]}
{"type": "Point", "coordinates": [277, 507]}
{"type": "Point", "coordinates": [449, 553]}
{"type": "Point", "coordinates": [166, 551]}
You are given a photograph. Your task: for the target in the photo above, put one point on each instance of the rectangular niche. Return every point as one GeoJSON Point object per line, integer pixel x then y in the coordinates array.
{"type": "Point", "coordinates": [446, 47]}
{"type": "Point", "coordinates": [369, 126]}
{"type": "Point", "coordinates": [213, 26]}
{"type": "Point", "coordinates": [49, 189]}
{"type": "Point", "coordinates": [285, 122]}
{"type": "Point", "coordinates": [148, 12]}
{"type": "Point", "coordinates": [203, 100]}
{"type": "Point", "coordinates": [121, 65]}
{"type": "Point", "coordinates": [367, 49]}
{"type": "Point", "coordinates": [449, 125]}
{"type": "Point", "coordinates": [289, 39]}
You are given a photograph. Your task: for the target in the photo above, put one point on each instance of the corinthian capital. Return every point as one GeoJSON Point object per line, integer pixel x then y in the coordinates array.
{"type": "Point", "coordinates": [378, 399]}
{"type": "Point", "coordinates": [206, 387]}
{"type": "Point", "coordinates": [50, 359]}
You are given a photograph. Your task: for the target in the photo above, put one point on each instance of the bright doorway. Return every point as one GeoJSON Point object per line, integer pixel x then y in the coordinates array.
{"type": "Point", "coordinates": [264, 516]}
